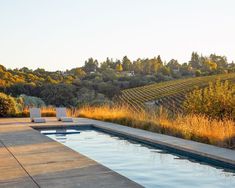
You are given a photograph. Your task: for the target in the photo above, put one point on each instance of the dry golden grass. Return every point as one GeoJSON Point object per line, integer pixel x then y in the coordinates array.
{"type": "Point", "coordinates": [191, 127]}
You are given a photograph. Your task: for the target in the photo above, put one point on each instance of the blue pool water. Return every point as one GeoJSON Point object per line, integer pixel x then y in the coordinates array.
{"type": "Point", "coordinates": [148, 166]}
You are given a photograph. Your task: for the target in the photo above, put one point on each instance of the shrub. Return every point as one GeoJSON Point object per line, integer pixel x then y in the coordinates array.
{"type": "Point", "coordinates": [198, 73]}
{"type": "Point", "coordinates": [216, 101]}
{"type": "Point", "coordinates": [9, 106]}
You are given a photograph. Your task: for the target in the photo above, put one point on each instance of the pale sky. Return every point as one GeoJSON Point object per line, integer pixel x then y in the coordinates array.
{"type": "Point", "coordinates": [62, 34]}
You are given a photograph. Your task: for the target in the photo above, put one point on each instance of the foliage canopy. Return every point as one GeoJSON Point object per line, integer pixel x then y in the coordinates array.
{"type": "Point", "coordinates": [216, 101]}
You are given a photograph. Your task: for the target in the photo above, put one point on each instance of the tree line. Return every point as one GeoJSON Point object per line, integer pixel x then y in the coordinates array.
{"type": "Point", "coordinates": [98, 82]}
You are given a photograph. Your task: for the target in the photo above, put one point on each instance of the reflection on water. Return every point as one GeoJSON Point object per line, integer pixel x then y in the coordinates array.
{"type": "Point", "coordinates": [148, 166]}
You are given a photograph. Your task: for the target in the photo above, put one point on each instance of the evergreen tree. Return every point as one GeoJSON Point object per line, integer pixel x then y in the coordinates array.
{"type": "Point", "coordinates": [91, 65]}
{"type": "Point", "coordinates": [126, 64]}
{"type": "Point", "coordinates": [195, 61]}
{"type": "Point", "coordinates": [159, 60]}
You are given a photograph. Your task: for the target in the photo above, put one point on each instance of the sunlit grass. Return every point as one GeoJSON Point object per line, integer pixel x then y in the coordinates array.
{"type": "Point", "coordinates": [191, 127]}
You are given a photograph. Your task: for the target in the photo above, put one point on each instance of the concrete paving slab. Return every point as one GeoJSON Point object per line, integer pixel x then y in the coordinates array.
{"type": "Point", "coordinates": [11, 172]}
{"type": "Point", "coordinates": [91, 176]}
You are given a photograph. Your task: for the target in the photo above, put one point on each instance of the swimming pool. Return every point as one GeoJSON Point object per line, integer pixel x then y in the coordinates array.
{"type": "Point", "coordinates": [146, 165]}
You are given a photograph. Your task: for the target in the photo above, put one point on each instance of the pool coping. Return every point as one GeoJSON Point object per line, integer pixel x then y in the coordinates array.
{"type": "Point", "coordinates": [214, 155]}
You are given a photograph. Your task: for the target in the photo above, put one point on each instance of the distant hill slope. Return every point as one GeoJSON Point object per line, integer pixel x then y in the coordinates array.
{"type": "Point", "coordinates": [170, 94]}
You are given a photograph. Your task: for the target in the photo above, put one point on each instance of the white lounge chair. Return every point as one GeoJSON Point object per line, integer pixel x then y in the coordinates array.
{"type": "Point", "coordinates": [35, 115]}
{"type": "Point", "coordinates": [62, 116]}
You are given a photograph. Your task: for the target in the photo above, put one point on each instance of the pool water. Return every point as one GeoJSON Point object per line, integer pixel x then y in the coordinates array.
{"type": "Point", "coordinates": [148, 166]}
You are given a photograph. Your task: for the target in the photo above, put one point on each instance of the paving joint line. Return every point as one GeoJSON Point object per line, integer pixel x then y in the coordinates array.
{"type": "Point", "coordinates": [20, 164]}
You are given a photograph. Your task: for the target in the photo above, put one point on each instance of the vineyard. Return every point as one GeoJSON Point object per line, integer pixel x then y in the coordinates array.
{"type": "Point", "coordinates": [169, 95]}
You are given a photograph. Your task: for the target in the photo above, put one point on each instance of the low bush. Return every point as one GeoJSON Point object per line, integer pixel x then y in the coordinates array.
{"type": "Point", "coordinates": [9, 106]}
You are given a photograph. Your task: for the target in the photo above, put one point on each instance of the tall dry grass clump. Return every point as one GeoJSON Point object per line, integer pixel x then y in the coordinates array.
{"type": "Point", "coordinates": [105, 113]}
{"type": "Point", "coordinates": [191, 127]}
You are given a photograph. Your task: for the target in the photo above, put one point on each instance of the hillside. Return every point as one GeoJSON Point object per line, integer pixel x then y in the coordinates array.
{"type": "Point", "coordinates": [170, 94]}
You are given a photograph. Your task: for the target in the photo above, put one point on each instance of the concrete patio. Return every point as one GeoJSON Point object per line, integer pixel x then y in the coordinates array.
{"type": "Point", "coordinates": [30, 159]}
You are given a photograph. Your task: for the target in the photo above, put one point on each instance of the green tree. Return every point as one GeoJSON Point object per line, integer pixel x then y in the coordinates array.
{"type": "Point", "coordinates": [108, 64]}
{"type": "Point", "coordinates": [126, 64]}
{"type": "Point", "coordinates": [138, 66]}
{"type": "Point", "coordinates": [25, 70]}
{"type": "Point", "coordinates": [159, 60]}
{"type": "Point", "coordinates": [147, 68]}
{"type": "Point", "coordinates": [104, 66]}
{"type": "Point", "coordinates": [22, 88]}
{"type": "Point", "coordinates": [195, 61]}
{"type": "Point", "coordinates": [173, 64]}
{"type": "Point", "coordinates": [59, 95]}
{"type": "Point", "coordinates": [186, 69]}
{"type": "Point", "coordinates": [108, 89]}
{"type": "Point", "coordinates": [155, 65]}
{"type": "Point", "coordinates": [165, 71]}
{"type": "Point", "coordinates": [91, 65]}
